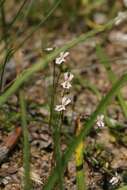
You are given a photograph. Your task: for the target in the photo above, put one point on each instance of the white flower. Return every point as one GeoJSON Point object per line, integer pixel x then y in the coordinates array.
{"type": "Point", "coordinates": [65, 101]}
{"type": "Point", "coordinates": [120, 18]}
{"type": "Point", "coordinates": [115, 179]}
{"type": "Point", "coordinates": [68, 78]}
{"type": "Point", "coordinates": [59, 108]}
{"type": "Point", "coordinates": [49, 49]}
{"type": "Point", "coordinates": [62, 58]}
{"type": "Point", "coordinates": [100, 121]}
{"type": "Point", "coordinates": [66, 85]}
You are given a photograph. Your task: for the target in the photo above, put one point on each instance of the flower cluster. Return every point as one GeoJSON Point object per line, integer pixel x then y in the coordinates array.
{"type": "Point", "coordinates": [67, 79]}
{"type": "Point", "coordinates": [65, 101]}
{"type": "Point", "coordinates": [66, 84]}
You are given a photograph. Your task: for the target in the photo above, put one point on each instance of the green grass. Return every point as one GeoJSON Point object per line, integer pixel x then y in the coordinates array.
{"type": "Point", "coordinates": [104, 60]}
{"type": "Point", "coordinates": [27, 184]}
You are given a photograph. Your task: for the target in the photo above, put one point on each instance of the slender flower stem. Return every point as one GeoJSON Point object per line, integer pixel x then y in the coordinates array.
{"type": "Point", "coordinates": [57, 148]}
{"type": "Point", "coordinates": [56, 122]}
{"type": "Point", "coordinates": [4, 25]}
{"type": "Point", "coordinates": [52, 95]}
{"type": "Point", "coordinates": [2, 79]}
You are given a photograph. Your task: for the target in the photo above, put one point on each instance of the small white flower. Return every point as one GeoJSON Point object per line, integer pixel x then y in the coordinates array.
{"type": "Point", "coordinates": [100, 121]}
{"type": "Point", "coordinates": [115, 179]}
{"type": "Point", "coordinates": [66, 85]}
{"type": "Point", "coordinates": [120, 18]}
{"type": "Point", "coordinates": [62, 58]}
{"type": "Point", "coordinates": [59, 108]}
{"type": "Point", "coordinates": [65, 101]}
{"type": "Point", "coordinates": [49, 49]}
{"type": "Point", "coordinates": [68, 78]}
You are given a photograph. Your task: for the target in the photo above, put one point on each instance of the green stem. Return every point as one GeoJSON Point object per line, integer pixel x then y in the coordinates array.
{"type": "Point", "coordinates": [39, 25]}
{"type": "Point", "coordinates": [2, 2]}
{"type": "Point", "coordinates": [50, 12]}
{"type": "Point", "coordinates": [123, 188]}
{"type": "Point", "coordinates": [26, 145]}
{"type": "Point", "coordinates": [57, 148]}
{"type": "Point", "coordinates": [3, 67]}
{"type": "Point", "coordinates": [52, 95]}
{"type": "Point", "coordinates": [18, 13]}
{"type": "Point", "coordinates": [56, 127]}
{"type": "Point", "coordinates": [111, 75]}
{"type": "Point", "coordinates": [4, 25]}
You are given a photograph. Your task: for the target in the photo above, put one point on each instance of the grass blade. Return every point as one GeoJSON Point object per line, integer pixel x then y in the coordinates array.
{"type": "Point", "coordinates": [39, 25]}
{"type": "Point", "coordinates": [53, 8]}
{"type": "Point", "coordinates": [2, 2]}
{"type": "Point", "coordinates": [58, 153]}
{"type": "Point", "coordinates": [26, 145]}
{"type": "Point", "coordinates": [123, 188]}
{"type": "Point", "coordinates": [18, 13]}
{"type": "Point", "coordinates": [4, 25]}
{"type": "Point", "coordinates": [79, 157]}
{"type": "Point", "coordinates": [104, 60]}
{"type": "Point", "coordinates": [2, 69]}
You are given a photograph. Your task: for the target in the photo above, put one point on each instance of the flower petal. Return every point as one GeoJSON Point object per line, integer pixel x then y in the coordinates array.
{"type": "Point", "coordinates": [66, 85]}
{"type": "Point", "coordinates": [59, 108]}
{"type": "Point", "coordinates": [66, 100]}
{"type": "Point", "coordinates": [68, 76]}
{"type": "Point", "coordinates": [61, 59]}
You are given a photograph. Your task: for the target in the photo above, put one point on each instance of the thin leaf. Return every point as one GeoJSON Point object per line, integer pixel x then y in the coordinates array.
{"type": "Point", "coordinates": [26, 146]}
{"type": "Point", "coordinates": [104, 60]}
{"type": "Point", "coordinates": [79, 158]}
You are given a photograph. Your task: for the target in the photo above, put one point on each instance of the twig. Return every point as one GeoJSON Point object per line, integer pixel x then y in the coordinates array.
{"type": "Point", "coordinates": [9, 143]}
